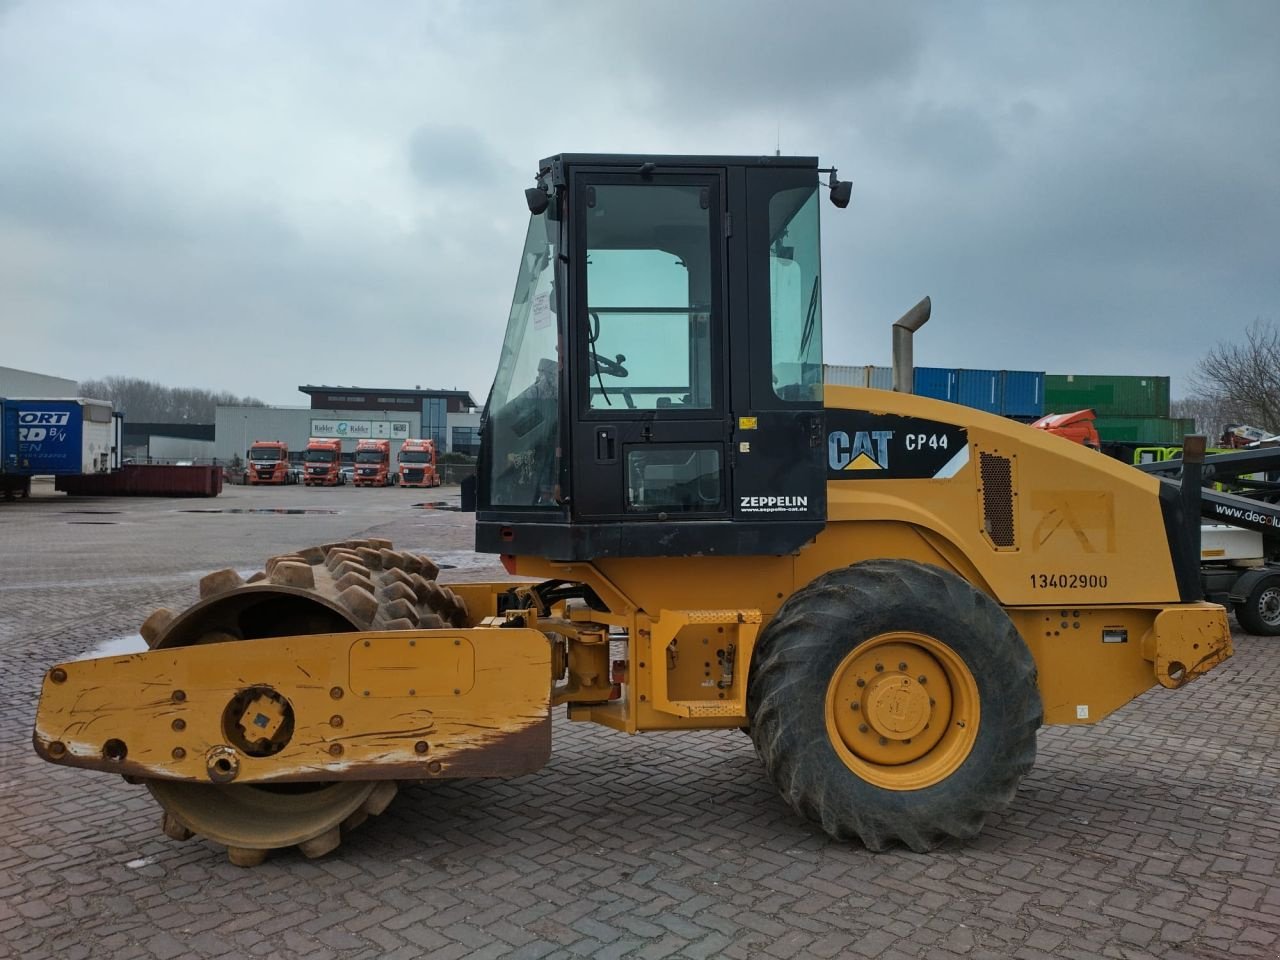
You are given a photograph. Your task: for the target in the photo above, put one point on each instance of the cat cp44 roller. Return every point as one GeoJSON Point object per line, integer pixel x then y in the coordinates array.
{"type": "Point", "coordinates": [889, 593]}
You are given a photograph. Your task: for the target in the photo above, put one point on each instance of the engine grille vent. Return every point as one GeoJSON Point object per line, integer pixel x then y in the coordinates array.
{"type": "Point", "coordinates": [997, 500]}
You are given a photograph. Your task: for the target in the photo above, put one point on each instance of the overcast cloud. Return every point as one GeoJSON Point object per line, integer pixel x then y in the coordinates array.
{"type": "Point", "coordinates": [254, 196]}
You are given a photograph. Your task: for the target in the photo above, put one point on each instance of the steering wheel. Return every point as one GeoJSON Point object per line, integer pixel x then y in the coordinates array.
{"type": "Point", "coordinates": [612, 368]}
{"type": "Point", "coordinates": [602, 365]}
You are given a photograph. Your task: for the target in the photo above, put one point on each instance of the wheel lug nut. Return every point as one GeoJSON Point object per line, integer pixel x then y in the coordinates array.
{"type": "Point", "coordinates": [862, 728]}
{"type": "Point", "coordinates": [883, 741]}
{"type": "Point", "coordinates": [861, 682]}
{"type": "Point", "coordinates": [855, 705]}
{"type": "Point", "coordinates": [922, 679]}
{"type": "Point", "coordinates": [879, 668]}
{"type": "Point", "coordinates": [902, 665]}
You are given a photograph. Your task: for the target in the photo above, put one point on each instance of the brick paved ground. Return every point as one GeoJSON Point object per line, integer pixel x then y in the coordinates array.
{"type": "Point", "coordinates": [1153, 834]}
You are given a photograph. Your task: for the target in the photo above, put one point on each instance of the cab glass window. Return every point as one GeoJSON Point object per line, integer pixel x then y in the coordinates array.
{"type": "Point", "coordinates": [674, 480]}
{"type": "Point", "coordinates": [795, 294]}
{"type": "Point", "coordinates": [649, 288]}
{"type": "Point", "coordinates": [523, 411]}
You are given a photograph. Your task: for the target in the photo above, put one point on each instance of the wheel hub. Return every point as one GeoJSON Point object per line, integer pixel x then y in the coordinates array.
{"type": "Point", "coordinates": [896, 706]}
{"type": "Point", "coordinates": [902, 710]}
{"type": "Point", "coordinates": [1269, 606]}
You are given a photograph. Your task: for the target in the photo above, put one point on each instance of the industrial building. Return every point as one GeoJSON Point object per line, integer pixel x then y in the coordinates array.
{"type": "Point", "coordinates": [449, 417]}
{"type": "Point", "coordinates": [168, 441]}
{"type": "Point", "coordinates": [24, 383]}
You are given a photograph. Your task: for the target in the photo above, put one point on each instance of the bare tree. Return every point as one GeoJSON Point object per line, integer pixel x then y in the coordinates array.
{"type": "Point", "coordinates": [149, 402]}
{"type": "Point", "coordinates": [1243, 379]}
{"type": "Point", "coordinates": [1209, 414]}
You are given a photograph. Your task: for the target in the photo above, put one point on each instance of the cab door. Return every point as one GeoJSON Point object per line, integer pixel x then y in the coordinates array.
{"type": "Point", "coordinates": [648, 338]}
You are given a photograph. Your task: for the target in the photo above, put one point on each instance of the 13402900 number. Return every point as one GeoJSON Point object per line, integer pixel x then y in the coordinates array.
{"type": "Point", "coordinates": [1068, 581]}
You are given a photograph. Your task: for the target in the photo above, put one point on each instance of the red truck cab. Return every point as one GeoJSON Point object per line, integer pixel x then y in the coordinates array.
{"type": "Point", "coordinates": [323, 458]}
{"type": "Point", "coordinates": [418, 464]}
{"type": "Point", "coordinates": [373, 463]}
{"type": "Point", "coordinates": [268, 462]}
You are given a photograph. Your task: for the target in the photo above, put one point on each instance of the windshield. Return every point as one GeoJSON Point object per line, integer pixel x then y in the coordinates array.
{"type": "Point", "coordinates": [523, 423]}
{"type": "Point", "coordinates": [370, 456]}
{"type": "Point", "coordinates": [264, 453]}
{"type": "Point", "coordinates": [319, 456]}
{"type": "Point", "coordinates": [412, 456]}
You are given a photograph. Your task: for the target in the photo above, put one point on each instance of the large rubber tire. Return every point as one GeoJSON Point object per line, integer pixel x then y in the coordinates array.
{"type": "Point", "coordinates": [1260, 612]}
{"type": "Point", "coordinates": [818, 630]}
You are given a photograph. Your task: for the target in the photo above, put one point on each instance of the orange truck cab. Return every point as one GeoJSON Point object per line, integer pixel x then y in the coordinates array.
{"type": "Point", "coordinates": [418, 464]}
{"type": "Point", "coordinates": [373, 463]}
{"type": "Point", "coordinates": [268, 462]}
{"type": "Point", "coordinates": [323, 458]}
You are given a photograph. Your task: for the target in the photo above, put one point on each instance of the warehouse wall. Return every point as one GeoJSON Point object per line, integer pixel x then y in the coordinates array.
{"type": "Point", "coordinates": [24, 383]}
{"type": "Point", "coordinates": [236, 428]}
{"type": "Point", "coordinates": [178, 448]}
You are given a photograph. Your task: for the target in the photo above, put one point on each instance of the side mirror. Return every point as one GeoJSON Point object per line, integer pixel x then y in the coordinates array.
{"type": "Point", "coordinates": [537, 199]}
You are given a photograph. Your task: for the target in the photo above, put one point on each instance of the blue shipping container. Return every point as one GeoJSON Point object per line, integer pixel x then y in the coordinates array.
{"type": "Point", "coordinates": [1023, 393]}
{"type": "Point", "coordinates": [979, 389]}
{"type": "Point", "coordinates": [936, 382]}
{"type": "Point", "coordinates": [41, 436]}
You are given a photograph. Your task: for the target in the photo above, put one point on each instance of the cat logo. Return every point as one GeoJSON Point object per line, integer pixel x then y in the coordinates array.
{"type": "Point", "coordinates": [869, 450]}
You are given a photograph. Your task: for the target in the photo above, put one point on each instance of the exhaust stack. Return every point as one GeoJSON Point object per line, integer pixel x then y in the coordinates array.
{"type": "Point", "coordinates": [904, 329]}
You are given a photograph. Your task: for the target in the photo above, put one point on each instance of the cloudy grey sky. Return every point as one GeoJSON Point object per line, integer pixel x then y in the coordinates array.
{"type": "Point", "coordinates": [251, 196]}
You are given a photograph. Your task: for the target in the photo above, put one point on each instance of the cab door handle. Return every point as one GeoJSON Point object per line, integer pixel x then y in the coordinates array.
{"type": "Point", "coordinates": [606, 445]}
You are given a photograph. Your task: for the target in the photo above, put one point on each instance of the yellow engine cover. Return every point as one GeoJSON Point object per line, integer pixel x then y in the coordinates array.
{"type": "Point", "coordinates": [1032, 518]}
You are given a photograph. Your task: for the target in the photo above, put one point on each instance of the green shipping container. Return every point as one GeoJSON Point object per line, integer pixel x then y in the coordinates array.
{"type": "Point", "coordinates": [1157, 431]}
{"type": "Point", "coordinates": [1106, 396]}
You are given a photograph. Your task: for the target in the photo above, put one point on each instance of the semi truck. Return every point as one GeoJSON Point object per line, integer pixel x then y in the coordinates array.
{"type": "Point", "coordinates": [373, 464]}
{"type": "Point", "coordinates": [418, 464]}
{"type": "Point", "coordinates": [323, 462]}
{"type": "Point", "coordinates": [58, 437]}
{"type": "Point", "coordinates": [268, 462]}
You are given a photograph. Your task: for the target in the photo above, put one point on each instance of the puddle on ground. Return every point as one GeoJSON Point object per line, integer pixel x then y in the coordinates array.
{"type": "Point", "coordinates": [308, 510]}
{"type": "Point", "coordinates": [94, 523]}
{"type": "Point", "coordinates": [96, 513]}
{"type": "Point", "coordinates": [454, 559]}
{"type": "Point", "coordinates": [437, 505]}
{"type": "Point", "coordinates": [116, 647]}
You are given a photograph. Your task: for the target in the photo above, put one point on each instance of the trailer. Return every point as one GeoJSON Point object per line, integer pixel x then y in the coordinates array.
{"type": "Point", "coordinates": [56, 437]}
{"type": "Point", "coordinates": [1240, 536]}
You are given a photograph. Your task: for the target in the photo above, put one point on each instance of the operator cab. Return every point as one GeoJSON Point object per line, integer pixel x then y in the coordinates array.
{"type": "Point", "coordinates": [659, 391]}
